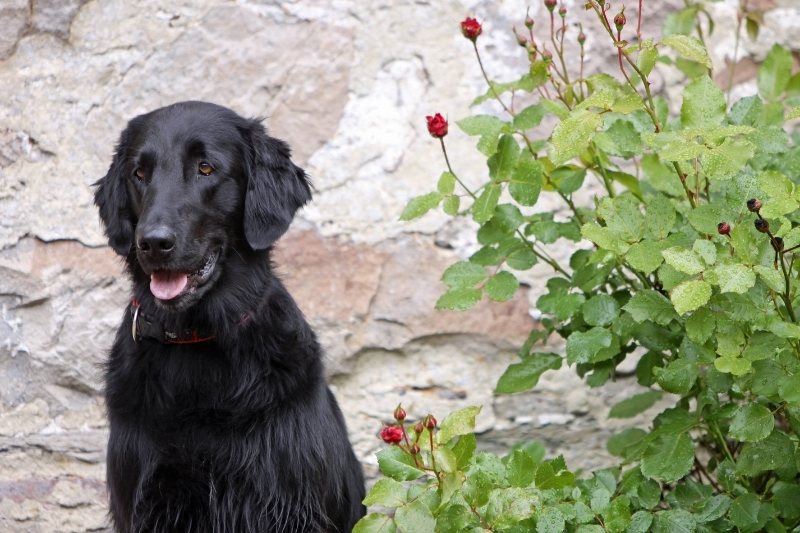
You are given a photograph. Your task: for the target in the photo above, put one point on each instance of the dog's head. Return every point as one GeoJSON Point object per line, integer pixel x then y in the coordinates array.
{"type": "Point", "coordinates": [189, 183]}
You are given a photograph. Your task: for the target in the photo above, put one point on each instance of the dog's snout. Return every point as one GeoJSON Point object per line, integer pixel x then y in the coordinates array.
{"type": "Point", "coordinates": [157, 240]}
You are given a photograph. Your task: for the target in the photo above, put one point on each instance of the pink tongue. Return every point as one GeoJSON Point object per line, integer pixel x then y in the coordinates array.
{"type": "Point", "coordinates": [167, 285]}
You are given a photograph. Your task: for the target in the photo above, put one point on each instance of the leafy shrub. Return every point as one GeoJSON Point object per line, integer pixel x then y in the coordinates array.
{"type": "Point", "coordinates": [692, 274]}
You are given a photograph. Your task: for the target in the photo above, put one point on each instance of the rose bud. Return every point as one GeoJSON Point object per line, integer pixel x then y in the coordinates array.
{"type": "Point", "coordinates": [437, 125]}
{"type": "Point", "coordinates": [522, 41]}
{"type": "Point", "coordinates": [430, 422]}
{"type": "Point", "coordinates": [723, 228]}
{"type": "Point", "coordinates": [620, 20]}
{"type": "Point", "coordinates": [414, 449]}
{"type": "Point", "coordinates": [528, 21]}
{"type": "Point", "coordinates": [547, 55]}
{"type": "Point", "coordinates": [754, 205]}
{"type": "Point", "coordinates": [550, 5]}
{"type": "Point", "coordinates": [418, 428]}
{"type": "Point", "coordinates": [471, 28]}
{"type": "Point", "coordinates": [581, 38]}
{"type": "Point", "coordinates": [777, 244]}
{"type": "Point", "coordinates": [762, 225]}
{"type": "Point", "coordinates": [562, 10]}
{"type": "Point", "coordinates": [392, 434]}
{"type": "Point", "coordinates": [399, 414]}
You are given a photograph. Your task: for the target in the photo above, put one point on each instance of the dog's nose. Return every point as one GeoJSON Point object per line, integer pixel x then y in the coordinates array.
{"type": "Point", "coordinates": [158, 240]}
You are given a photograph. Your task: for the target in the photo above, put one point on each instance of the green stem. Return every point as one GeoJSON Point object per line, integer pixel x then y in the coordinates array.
{"type": "Point", "coordinates": [449, 168]}
{"type": "Point", "coordinates": [488, 82]}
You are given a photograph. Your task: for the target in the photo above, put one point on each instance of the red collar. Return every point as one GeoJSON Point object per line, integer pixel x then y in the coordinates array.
{"type": "Point", "coordinates": [144, 328]}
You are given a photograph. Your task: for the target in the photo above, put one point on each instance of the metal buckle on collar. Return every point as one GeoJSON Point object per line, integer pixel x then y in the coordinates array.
{"type": "Point", "coordinates": [135, 323]}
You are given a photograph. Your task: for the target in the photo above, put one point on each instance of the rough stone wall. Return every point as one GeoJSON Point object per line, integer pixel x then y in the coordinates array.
{"type": "Point", "coordinates": [347, 84]}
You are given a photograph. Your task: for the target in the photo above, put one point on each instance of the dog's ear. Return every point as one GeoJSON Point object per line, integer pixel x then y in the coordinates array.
{"type": "Point", "coordinates": [111, 198]}
{"type": "Point", "coordinates": [276, 187]}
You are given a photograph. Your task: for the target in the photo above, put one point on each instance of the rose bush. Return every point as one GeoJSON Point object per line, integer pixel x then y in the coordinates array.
{"type": "Point", "coordinates": [690, 272]}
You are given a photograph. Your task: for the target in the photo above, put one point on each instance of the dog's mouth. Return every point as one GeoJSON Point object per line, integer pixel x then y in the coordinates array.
{"type": "Point", "coordinates": [168, 285]}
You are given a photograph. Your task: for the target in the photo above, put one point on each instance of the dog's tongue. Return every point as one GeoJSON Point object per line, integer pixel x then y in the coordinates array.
{"type": "Point", "coordinates": [167, 285]}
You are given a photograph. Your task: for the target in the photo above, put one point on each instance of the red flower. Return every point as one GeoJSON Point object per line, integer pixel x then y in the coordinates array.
{"type": "Point", "coordinates": [437, 125]}
{"type": "Point", "coordinates": [471, 28]}
{"type": "Point", "coordinates": [392, 434]}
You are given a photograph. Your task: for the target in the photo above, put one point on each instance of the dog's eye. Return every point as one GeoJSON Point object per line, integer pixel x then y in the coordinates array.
{"type": "Point", "coordinates": [139, 173]}
{"type": "Point", "coordinates": [205, 168]}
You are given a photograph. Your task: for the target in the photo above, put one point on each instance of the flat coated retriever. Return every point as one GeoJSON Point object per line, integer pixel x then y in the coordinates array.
{"type": "Point", "coordinates": [220, 417]}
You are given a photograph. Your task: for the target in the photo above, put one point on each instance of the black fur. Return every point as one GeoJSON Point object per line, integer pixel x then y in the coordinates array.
{"type": "Point", "coordinates": [240, 434]}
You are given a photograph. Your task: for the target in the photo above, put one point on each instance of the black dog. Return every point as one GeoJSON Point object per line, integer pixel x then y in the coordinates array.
{"type": "Point", "coordinates": [221, 420]}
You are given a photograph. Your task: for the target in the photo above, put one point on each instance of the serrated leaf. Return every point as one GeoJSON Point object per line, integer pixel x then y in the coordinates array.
{"type": "Point", "coordinates": [689, 48]}
{"type": "Point", "coordinates": [668, 457]}
{"type": "Point", "coordinates": [703, 104]}
{"type": "Point", "coordinates": [751, 423]}
{"type": "Point", "coordinates": [640, 522]}
{"type": "Point", "coordinates": [678, 377]}
{"type": "Point", "coordinates": [690, 295]}
{"type": "Point", "coordinates": [683, 260]}
{"type": "Point", "coordinates": [520, 469]}
{"type": "Point", "coordinates": [650, 305]}
{"type": "Point", "coordinates": [375, 523]}
{"type": "Point", "coordinates": [582, 346]}
{"type": "Point", "coordinates": [604, 238]}
{"type": "Point", "coordinates": [463, 274]}
{"type": "Point", "coordinates": [774, 73]}
{"type": "Point", "coordinates": [733, 365]}
{"type": "Point", "coordinates": [420, 205]}
{"type": "Point", "coordinates": [530, 117]}
{"type": "Point", "coordinates": [634, 405]}
{"type": "Point", "coordinates": [502, 286]}
{"type": "Point", "coordinates": [451, 204]}
{"type": "Point", "coordinates": [735, 278]}
{"type": "Point", "coordinates": [645, 256]}
{"type": "Point", "coordinates": [481, 125]}
{"type": "Point", "coordinates": [459, 299]}
{"type": "Point", "coordinates": [550, 520]}
{"type": "Point", "coordinates": [386, 492]}
{"type": "Point", "coordinates": [723, 161]}
{"type": "Point", "coordinates": [572, 135]}
{"type": "Point", "coordinates": [600, 310]}
{"type": "Point", "coordinates": [674, 521]}
{"type": "Point", "coordinates": [767, 454]}
{"type": "Point", "coordinates": [483, 208]}
{"type": "Point", "coordinates": [744, 512]}
{"type": "Point", "coordinates": [627, 443]}
{"type": "Point", "coordinates": [460, 422]}
{"type": "Point", "coordinates": [526, 182]}
{"type": "Point", "coordinates": [415, 517]}
{"type": "Point", "coordinates": [398, 465]}
{"type": "Point", "coordinates": [503, 162]}
{"type": "Point", "coordinates": [525, 375]}
{"type": "Point", "coordinates": [447, 183]}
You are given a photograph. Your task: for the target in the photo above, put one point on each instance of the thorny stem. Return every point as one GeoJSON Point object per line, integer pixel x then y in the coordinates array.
{"type": "Point", "coordinates": [488, 82]}
{"type": "Point", "coordinates": [447, 161]}
{"type": "Point", "coordinates": [639, 23]}
{"type": "Point", "coordinates": [739, 19]}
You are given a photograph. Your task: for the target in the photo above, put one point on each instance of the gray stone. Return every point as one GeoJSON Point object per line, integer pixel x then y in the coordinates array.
{"type": "Point", "coordinates": [14, 19]}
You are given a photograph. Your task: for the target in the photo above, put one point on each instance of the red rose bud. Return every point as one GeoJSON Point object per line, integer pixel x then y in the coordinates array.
{"type": "Point", "coordinates": [471, 28]}
{"type": "Point", "coordinates": [399, 414]}
{"type": "Point", "coordinates": [762, 225]}
{"type": "Point", "coordinates": [723, 228]}
{"type": "Point", "coordinates": [754, 205]}
{"type": "Point", "coordinates": [522, 41]}
{"type": "Point", "coordinates": [550, 5]}
{"type": "Point", "coordinates": [429, 422]}
{"type": "Point", "coordinates": [414, 449]}
{"type": "Point", "coordinates": [547, 55]}
{"type": "Point", "coordinates": [392, 434]}
{"type": "Point", "coordinates": [620, 20]}
{"type": "Point", "coordinates": [581, 38]}
{"type": "Point", "coordinates": [562, 10]}
{"type": "Point", "coordinates": [437, 125]}
{"type": "Point", "coordinates": [418, 428]}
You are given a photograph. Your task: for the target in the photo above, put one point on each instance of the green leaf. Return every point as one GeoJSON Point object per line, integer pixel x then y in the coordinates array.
{"type": "Point", "coordinates": [415, 518]}
{"type": "Point", "coordinates": [604, 238]}
{"type": "Point", "coordinates": [520, 469]}
{"type": "Point", "coordinates": [464, 449]}
{"type": "Point", "coordinates": [674, 521]}
{"type": "Point", "coordinates": [766, 454]}
{"type": "Point", "coordinates": [600, 310]}
{"type": "Point", "coordinates": [733, 365]}
{"type": "Point", "coordinates": [690, 295]}
{"type": "Point", "coordinates": [634, 405]}
{"type": "Point", "coordinates": [770, 276]}
{"type": "Point", "coordinates": [689, 48]}
{"type": "Point", "coordinates": [525, 375]}
{"type": "Point", "coordinates": [703, 104]}
{"type": "Point", "coordinates": [706, 250]}
{"type": "Point", "coordinates": [502, 286]}
{"type": "Point", "coordinates": [446, 460]}
{"type": "Point", "coordinates": [725, 160]}
{"type": "Point", "coordinates": [700, 326]}
{"type": "Point", "coordinates": [617, 516]}
{"type": "Point", "coordinates": [530, 117]}
{"type": "Point", "coordinates": [572, 135]}
{"type": "Point", "coordinates": [375, 523]}
{"type": "Point", "coordinates": [682, 260]}
{"type": "Point", "coordinates": [481, 125]}
{"type": "Point", "coordinates": [553, 475]}
{"type": "Point", "coordinates": [447, 183]}
{"type": "Point", "coordinates": [387, 493]}
{"type": "Point", "coordinates": [463, 274]}
{"type": "Point", "coordinates": [550, 520]}
{"type": "Point", "coordinates": [640, 522]}
{"type": "Point", "coordinates": [420, 205]}
{"type": "Point", "coordinates": [751, 423]}
{"type": "Point", "coordinates": [648, 304]}
{"type": "Point", "coordinates": [735, 278]}
{"type": "Point", "coordinates": [508, 506]}
{"type": "Point", "coordinates": [558, 302]}
{"type": "Point", "coordinates": [627, 443]}
{"type": "Point", "coordinates": [450, 205]}
{"type": "Point", "coordinates": [668, 457]}
{"type": "Point", "coordinates": [678, 377]}
{"type": "Point", "coordinates": [645, 256]}
{"type": "Point", "coordinates": [621, 139]}
{"type": "Point", "coordinates": [502, 163]}
{"type": "Point", "coordinates": [398, 465]}
{"type": "Point", "coordinates": [459, 299]}
{"type": "Point", "coordinates": [744, 512]}
{"type": "Point", "coordinates": [789, 388]}
{"type": "Point", "coordinates": [582, 347]}
{"type": "Point", "coordinates": [526, 182]}
{"type": "Point", "coordinates": [773, 76]}
{"type": "Point", "coordinates": [483, 208]}
{"type": "Point", "coordinates": [713, 509]}
{"type": "Point", "coordinates": [460, 422]}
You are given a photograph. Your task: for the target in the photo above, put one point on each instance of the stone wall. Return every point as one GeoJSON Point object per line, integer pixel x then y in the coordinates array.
{"type": "Point", "coordinates": [348, 84]}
